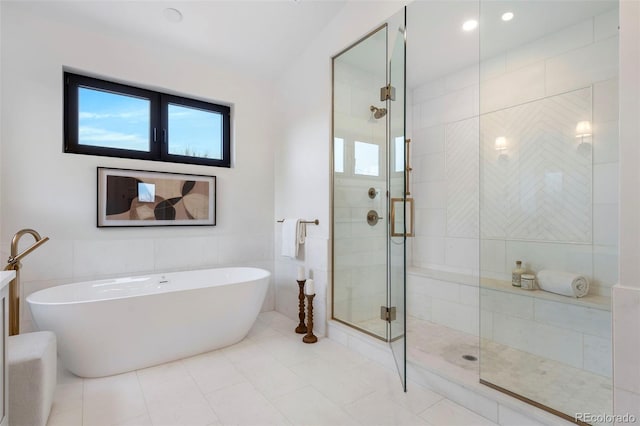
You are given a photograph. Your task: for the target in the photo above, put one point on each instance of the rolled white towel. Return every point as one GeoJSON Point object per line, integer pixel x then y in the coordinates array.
{"type": "Point", "coordinates": [565, 283]}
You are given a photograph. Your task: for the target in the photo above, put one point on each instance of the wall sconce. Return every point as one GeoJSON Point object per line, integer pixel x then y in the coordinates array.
{"type": "Point", "coordinates": [583, 130]}
{"type": "Point", "coordinates": [501, 143]}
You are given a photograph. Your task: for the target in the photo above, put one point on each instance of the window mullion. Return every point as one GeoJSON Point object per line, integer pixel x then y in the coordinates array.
{"type": "Point", "coordinates": [161, 123]}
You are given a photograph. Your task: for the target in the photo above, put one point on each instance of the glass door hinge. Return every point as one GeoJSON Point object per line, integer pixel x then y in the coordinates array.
{"type": "Point", "coordinates": [388, 313]}
{"type": "Point", "coordinates": [388, 92]}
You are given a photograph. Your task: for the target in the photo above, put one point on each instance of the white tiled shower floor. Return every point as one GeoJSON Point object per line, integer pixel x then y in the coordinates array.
{"type": "Point", "coordinates": [271, 377]}
{"type": "Point", "coordinates": [548, 382]}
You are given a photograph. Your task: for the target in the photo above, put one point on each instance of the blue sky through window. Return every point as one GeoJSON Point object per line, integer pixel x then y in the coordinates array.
{"type": "Point", "coordinates": [113, 120]}
{"type": "Point", "coordinates": [194, 132]}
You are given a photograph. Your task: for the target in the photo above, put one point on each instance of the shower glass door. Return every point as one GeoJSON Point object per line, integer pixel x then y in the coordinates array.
{"type": "Point", "coordinates": [368, 265]}
{"type": "Point", "coordinates": [397, 189]}
{"type": "Point", "coordinates": [360, 185]}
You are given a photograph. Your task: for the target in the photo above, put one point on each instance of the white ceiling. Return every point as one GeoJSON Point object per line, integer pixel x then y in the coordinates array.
{"type": "Point", "coordinates": [261, 37]}
{"type": "Point", "coordinates": [437, 45]}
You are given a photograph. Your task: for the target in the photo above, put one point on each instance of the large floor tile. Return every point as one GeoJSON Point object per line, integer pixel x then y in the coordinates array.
{"type": "Point", "coordinates": [337, 354]}
{"type": "Point", "coordinates": [176, 399]}
{"type": "Point", "coordinates": [212, 371]}
{"type": "Point", "coordinates": [337, 384]}
{"type": "Point", "coordinates": [449, 413]}
{"type": "Point", "coordinates": [143, 420]}
{"type": "Point", "coordinates": [68, 396]}
{"type": "Point", "coordinates": [70, 417]}
{"type": "Point", "coordinates": [152, 376]}
{"type": "Point", "coordinates": [192, 411]}
{"type": "Point", "coordinates": [307, 406]}
{"type": "Point", "coordinates": [113, 399]}
{"type": "Point", "coordinates": [378, 409]}
{"type": "Point", "coordinates": [288, 350]}
{"type": "Point", "coordinates": [269, 378]}
{"type": "Point", "coordinates": [416, 399]}
{"type": "Point", "coordinates": [242, 404]}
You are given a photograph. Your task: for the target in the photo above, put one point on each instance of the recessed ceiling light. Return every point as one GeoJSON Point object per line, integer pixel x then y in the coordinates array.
{"type": "Point", "coordinates": [470, 25]}
{"type": "Point", "coordinates": [507, 16]}
{"type": "Point", "coordinates": [172, 15]}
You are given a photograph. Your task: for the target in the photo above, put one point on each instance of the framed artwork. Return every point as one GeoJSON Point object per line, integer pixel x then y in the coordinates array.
{"type": "Point", "coordinates": [144, 198]}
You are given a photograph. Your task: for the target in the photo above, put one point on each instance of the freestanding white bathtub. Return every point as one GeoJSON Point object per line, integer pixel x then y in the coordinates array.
{"type": "Point", "coordinates": [111, 326]}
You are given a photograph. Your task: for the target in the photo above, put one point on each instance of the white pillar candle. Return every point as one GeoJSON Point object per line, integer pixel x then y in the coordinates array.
{"type": "Point", "coordinates": [309, 288]}
{"type": "Point", "coordinates": [300, 273]}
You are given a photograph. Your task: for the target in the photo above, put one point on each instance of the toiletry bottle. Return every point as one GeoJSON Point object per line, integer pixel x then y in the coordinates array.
{"type": "Point", "coordinates": [516, 275]}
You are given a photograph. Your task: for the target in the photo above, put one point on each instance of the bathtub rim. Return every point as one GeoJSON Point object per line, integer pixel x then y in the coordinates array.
{"type": "Point", "coordinates": [262, 274]}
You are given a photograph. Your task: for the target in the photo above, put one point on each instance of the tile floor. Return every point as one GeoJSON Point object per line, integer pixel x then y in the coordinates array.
{"type": "Point", "coordinates": [552, 383]}
{"type": "Point", "coordinates": [271, 377]}
{"type": "Point", "coordinates": [557, 385]}
{"type": "Point", "coordinates": [440, 349]}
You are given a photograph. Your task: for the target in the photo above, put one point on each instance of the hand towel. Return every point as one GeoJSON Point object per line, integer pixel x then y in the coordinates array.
{"type": "Point", "coordinates": [564, 283]}
{"type": "Point", "coordinates": [293, 234]}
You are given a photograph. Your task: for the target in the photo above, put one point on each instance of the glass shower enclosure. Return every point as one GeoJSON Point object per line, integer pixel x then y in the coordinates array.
{"type": "Point", "coordinates": [514, 127]}
{"type": "Point", "coordinates": [548, 167]}
{"type": "Point", "coordinates": [369, 186]}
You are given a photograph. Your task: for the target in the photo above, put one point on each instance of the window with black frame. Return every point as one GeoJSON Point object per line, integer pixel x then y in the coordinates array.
{"type": "Point", "coordinates": [118, 120]}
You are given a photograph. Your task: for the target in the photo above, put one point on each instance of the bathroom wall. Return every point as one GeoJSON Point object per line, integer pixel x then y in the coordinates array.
{"type": "Point", "coordinates": [302, 183]}
{"type": "Point", "coordinates": [626, 295]}
{"type": "Point", "coordinates": [445, 153]}
{"type": "Point", "coordinates": [55, 193]}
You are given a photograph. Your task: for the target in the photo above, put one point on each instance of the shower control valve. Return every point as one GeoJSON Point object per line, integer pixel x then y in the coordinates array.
{"type": "Point", "coordinates": [373, 218]}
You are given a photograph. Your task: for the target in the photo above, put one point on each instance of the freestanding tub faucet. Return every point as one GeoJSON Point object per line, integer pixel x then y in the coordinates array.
{"type": "Point", "coordinates": [13, 264]}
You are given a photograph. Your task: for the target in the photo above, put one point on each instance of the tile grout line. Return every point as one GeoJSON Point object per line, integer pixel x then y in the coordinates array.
{"type": "Point", "coordinates": [269, 400]}
{"type": "Point", "coordinates": [82, 404]}
{"type": "Point", "coordinates": [200, 389]}
{"type": "Point", "coordinates": [144, 397]}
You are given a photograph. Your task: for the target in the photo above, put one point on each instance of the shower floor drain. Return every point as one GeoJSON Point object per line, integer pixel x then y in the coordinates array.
{"type": "Point", "coordinates": [470, 357]}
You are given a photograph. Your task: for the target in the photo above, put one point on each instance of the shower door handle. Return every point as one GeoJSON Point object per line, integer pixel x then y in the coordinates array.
{"type": "Point", "coordinates": [373, 218]}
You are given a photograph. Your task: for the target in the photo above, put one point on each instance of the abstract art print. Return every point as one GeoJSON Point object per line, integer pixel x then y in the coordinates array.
{"type": "Point", "coordinates": [143, 198]}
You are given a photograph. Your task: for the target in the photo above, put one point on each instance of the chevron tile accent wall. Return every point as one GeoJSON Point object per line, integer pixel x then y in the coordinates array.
{"type": "Point", "coordinates": [461, 154]}
{"type": "Point", "coordinates": [540, 187]}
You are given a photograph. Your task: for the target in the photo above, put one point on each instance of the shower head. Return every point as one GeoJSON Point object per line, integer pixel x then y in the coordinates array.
{"type": "Point", "coordinates": [378, 112]}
